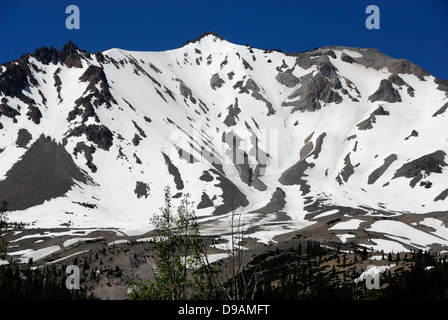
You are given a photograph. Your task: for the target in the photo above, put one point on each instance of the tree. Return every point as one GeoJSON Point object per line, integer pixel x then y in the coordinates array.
{"type": "Point", "coordinates": [182, 271]}
{"type": "Point", "coordinates": [3, 226]}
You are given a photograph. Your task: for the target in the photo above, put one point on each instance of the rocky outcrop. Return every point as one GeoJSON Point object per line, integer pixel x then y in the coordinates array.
{"type": "Point", "coordinates": [386, 92]}
{"type": "Point", "coordinates": [368, 123]}
{"type": "Point", "coordinates": [312, 93]}
{"type": "Point", "coordinates": [423, 166]}
{"type": "Point", "coordinates": [378, 172]}
{"type": "Point", "coordinates": [287, 78]}
{"type": "Point", "coordinates": [216, 81]}
{"type": "Point", "coordinates": [98, 134]}
{"type": "Point", "coordinates": [275, 204]}
{"type": "Point", "coordinates": [32, 181]}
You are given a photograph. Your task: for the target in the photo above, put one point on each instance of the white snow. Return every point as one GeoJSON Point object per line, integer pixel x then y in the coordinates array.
{"type": "Point", "coordinates": [27, 254]}
{"type": "Point", "coordinates": [175, 118]}
{"type": "Point", "coordinates": [352, 224]}
{"type": "Point", "coordinates": [372, 271]}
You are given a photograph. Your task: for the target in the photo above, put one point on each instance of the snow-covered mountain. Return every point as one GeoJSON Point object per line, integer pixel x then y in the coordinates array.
{"type": "Point", "coordinates": [343, 144]}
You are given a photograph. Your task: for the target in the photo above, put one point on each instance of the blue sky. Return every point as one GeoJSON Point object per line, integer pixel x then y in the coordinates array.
{"type": "Point", "coordinates": [415, 30]}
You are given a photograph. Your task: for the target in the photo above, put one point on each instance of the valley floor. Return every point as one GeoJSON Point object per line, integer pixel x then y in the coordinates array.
{"type": "Point", "coordinates": [295, 268]}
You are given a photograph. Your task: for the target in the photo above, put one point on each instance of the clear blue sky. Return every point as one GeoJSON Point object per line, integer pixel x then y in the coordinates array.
{"type": "Point", "coordinates": [415, 30]}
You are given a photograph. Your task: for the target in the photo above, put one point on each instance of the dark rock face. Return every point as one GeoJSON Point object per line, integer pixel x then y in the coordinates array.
{"type": "Point", "coordinates": [141, 189]}
{"type": "Point", "coordinates": [23, 137]}
{"type": "Point", "coordinates": [98, 134]}
{"type": "Point", "coordinates": [216, 81]}
{"type": "Point", "coordinates": [34, 114]}
{"type": "Point", "coordinates": [430, 163]}
{"type": "Point", "coordinates": [368, 123]}
{"type": "Point", "coordinates": [7, 111]}
{"type": "Point", "coordinates": [232, 196]}
{"type": "Point", "coordinates": [174, 172]}
{"type": "Point", "coordinates": [206, 176]}
{"type": "Point", "coordinates": [232, 116]}
{"type": "Point", "coordinates": [206, 202]}
{"type": "Point", "coordinates": [95, 75]}
{"type": "Point", "coordinates": [442, 196]}
{"type": "Point", "coordinates": [347, 171]}
{"type": "Point", "coordinates": [441, 110]}
{"type": "Point", "coordinates": [377, 173]}
{"type": "Point", "coordinates": [276, 204]}
{"type": "Point", "coordinates": [287, 78]}
{"type": "Point", "coordinates": [186, 92]}
{"type": "Point", "coordinates": [46, 55]}
{"type": "Point", "coordinates": [346, 58]}
{"type": "Point", "coordinates": [13, 80]}
{"type": "Point", "coordinates": [88, 152]}
{"type": "Point", "coordinates": [386, 92]}
{"type": "Point", "coordinates": [32, 180]}
{"type": "Point", "coordinates": [312, 93]}
{"type": "Point", "coordinates": [255, 91]}
{"type": "Point", "coordinates": [296, 174]}
{"type": "Point", "coordinates": [70, 55]}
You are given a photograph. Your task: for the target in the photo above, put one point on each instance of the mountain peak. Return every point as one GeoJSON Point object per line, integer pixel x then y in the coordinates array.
{"type": "Point", "coordinates": [203, 35]}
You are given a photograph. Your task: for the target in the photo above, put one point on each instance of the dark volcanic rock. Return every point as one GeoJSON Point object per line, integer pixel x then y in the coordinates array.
{"type": "Point", "coordinates": [287, 78]}
{"type": "Point", "coordinates": [386, 92]}
{"type": "Point", "coordinates": [312, 92]}
{"type": "Point", "coordinates": [88, 151]}
{"type": "Point", "coordinates": [98, 134]}
{"type": "Point", "coordinates": [172, 169]}
{"type": "Point", "coordinates": [45, 171]}
{"type": "Point", "coordinates": [276, 203]}
{"type": "Point", "coordinates": [216, 81]}
{"type": "Point", "coordinates": [206, 202]}
{"type": "Point", "coordinates": [378, 172]}
{"type": "Point", "coordinates": [7, 111]}
{"type": "Point", "coordinates": [232, 197]}
{"type": "Point", "coordinates": [441, 110]}
{"type": "Point", "coordinates": [206, 176]}
{"type": "Point", "coordinates": [430, 163]}
{"type": "Point", "coordinates": [368, 123]}
{"type": "Point", "coordinates": [346, 58]}
{"type": "Point", "coordinates": [347, 171]}
{"type": "Point", "coordinates": [34, 114]}
{"type": "Point", "coordinates": [442, 196]}
{"type": "Point", "coordinates": [23, 137]}
{"type": "Point", "coordinates": [296, 174]}
{"type": "Point", "coordinates": [95, 75]}
{"type": "Point", "coordinates": [46, 55]}
{"type": "Point", "coordinates": [70, 55]}
{"type": "Point", "coordinates": [232, 116]}
{"type": "Point", "coordinates": [141, 189]}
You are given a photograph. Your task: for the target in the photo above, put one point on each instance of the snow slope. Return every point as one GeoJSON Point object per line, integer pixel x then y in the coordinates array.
{"type": "Point", "coordinates": [91, 140]}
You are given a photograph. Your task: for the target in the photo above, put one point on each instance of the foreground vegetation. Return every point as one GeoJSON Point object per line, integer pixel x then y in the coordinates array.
{"type": "Point", "coordinates": [297, 270]}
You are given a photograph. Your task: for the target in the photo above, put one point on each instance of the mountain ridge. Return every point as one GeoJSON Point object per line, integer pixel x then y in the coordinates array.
{"type": "Point", "coordinates": [279, 136]}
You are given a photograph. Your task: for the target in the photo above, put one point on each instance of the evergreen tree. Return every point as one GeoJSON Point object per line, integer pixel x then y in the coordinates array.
{"type": "Point", "coordinates": [3, 242]}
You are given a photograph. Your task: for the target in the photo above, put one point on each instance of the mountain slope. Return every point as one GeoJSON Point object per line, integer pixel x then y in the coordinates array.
{"type": "Point", "coordinates": [299, 141]}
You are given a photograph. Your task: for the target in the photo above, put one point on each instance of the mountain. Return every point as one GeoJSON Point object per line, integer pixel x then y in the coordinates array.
{"type": "Point", "coordinates": [337, 144]}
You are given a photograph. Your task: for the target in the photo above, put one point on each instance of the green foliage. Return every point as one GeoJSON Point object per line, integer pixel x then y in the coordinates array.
{"type": "Point", "coordinates": [372, 294]}
{"type": "Point", "coordinates": [181, 271]}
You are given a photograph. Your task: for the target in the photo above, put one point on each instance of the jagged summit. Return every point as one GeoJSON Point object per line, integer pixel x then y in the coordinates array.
{"type": "Point", "coordinates": [323, 142]}
{"type": "Point", "coordinates": [203, 35]}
